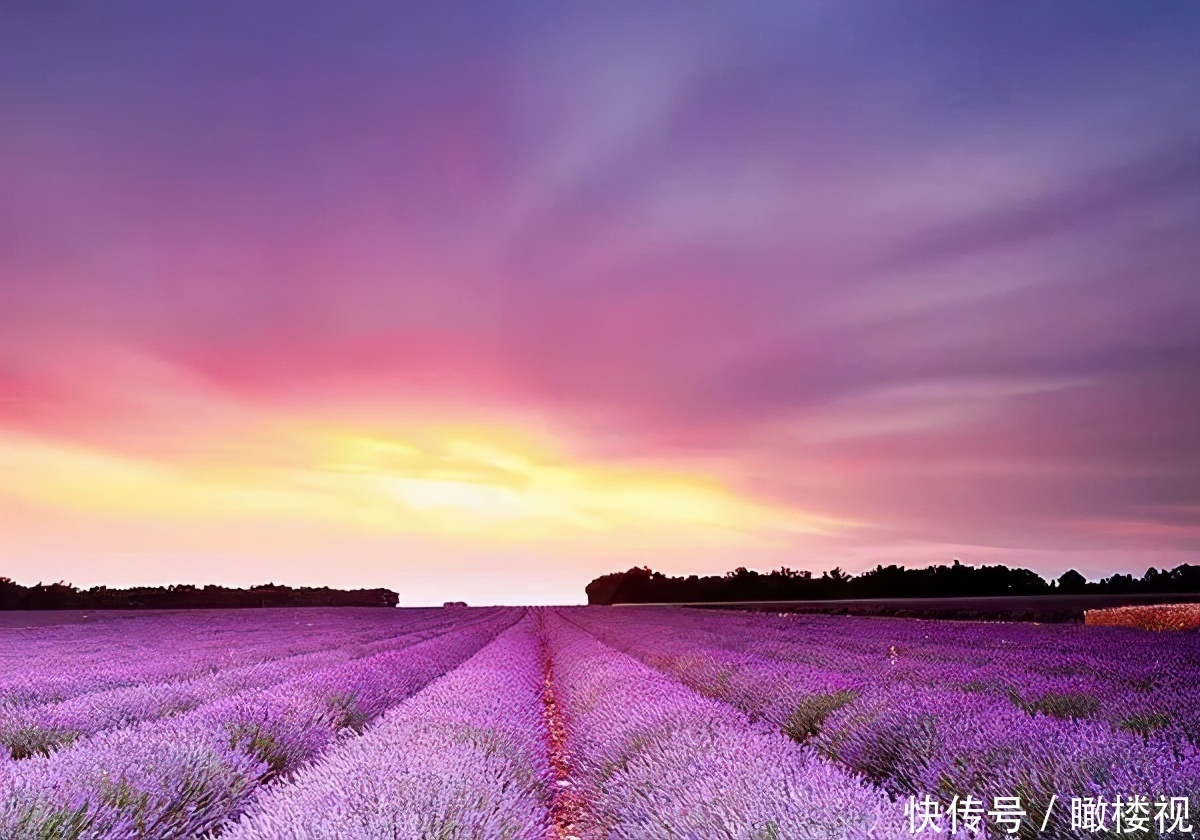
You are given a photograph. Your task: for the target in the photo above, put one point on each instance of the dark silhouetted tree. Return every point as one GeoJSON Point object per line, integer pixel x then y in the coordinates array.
{"type": "Point", "coordinates": [1071, 582]}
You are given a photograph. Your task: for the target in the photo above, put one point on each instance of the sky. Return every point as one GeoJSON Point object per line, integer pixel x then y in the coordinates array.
{"type": "Point", "coordinates": [482, 300]}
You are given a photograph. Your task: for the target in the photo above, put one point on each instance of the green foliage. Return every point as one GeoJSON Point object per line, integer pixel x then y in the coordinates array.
{"type": "Point", "coordinates": [30, 741]}
{"type": "Point", "coordinates": [252, 738]}
{"type": "Point", "coordinates": [347, 714]}
{"type": "Point", "coordinates": [59, 824]}
{"type": "Point", "coordinates": [770, 831]}
{"type": "Point", "coordinates": [1072, 704]}
{"type": "Point", "coordinates": [810, 713]}
{"type": "Point", "coordinates": [722, 687]}
{"type": "Point", "coordinates": [1145, 684]}
{"type": "Point", "coordinates": [1144, 724]}
{"type": "Point", "coordinates": [622, 759]}
{"type": "Point", "coordinates": [122, 796]}
{"type": "Point", "coordinates": [491, 743]}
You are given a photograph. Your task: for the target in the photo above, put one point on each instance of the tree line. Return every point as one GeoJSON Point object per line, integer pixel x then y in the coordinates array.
{"type": "Point", "coordinates": [645, 586]}
{"type": "Point", "coordinates": [64, 596]}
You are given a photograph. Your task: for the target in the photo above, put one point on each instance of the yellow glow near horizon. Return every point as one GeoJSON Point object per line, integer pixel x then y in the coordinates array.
{"type": "Point", "coordinates": [477, 483]}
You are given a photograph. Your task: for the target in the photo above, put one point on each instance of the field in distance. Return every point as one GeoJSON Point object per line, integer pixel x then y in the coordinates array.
{"type": "Point", "coordinates": [1051, 609]}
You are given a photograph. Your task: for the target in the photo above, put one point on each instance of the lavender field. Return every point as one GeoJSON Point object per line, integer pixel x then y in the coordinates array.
{"type": "Point", "coordinates": [592, 723]}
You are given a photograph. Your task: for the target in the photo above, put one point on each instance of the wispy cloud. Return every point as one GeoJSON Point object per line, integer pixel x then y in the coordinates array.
{"type": "Point", "coordinates": [776, 284]}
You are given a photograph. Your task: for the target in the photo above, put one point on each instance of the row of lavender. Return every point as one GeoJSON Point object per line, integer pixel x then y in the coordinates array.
{"type": "Point", "coordinates": [509, 724]}
{"type": "Point", "coordinates": [655, 759]}
{"type": "Point", "coordinates": [59, 662]}
{"type": "Point", "coordinates": [164, 773]}
{"type": "Point", "coordinates": [947, 709]}
{"type": "Point", "coordinates": [526, 724]}
{"type": "Point", "coordinates": [548, 733]}
{"type": "Point", "coordinates": [1137, 682]}
{"type": "Point", "coordinates": [31, 727]}
{"type": "Point", "coordinates": [465, 757]}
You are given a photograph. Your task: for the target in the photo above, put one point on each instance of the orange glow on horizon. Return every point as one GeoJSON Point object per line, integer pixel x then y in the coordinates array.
{"type": "Point", "coordinates": [472, 484]}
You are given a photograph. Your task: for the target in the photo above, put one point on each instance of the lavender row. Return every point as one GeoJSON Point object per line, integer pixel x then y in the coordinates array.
{"type": "Point", "coordinates": [41, 728]}
{"type": "Point", "coordinates": [913, 738]}
{"type": "Point", "coordinates": [181, 776]}
{"type": "Point", "coordinates": [1136, 681]}
{"type": "Point", "coordinates": [654, 759]}
{"type": "Point", "coordinates": [129, 653]}
{"type": "Point", "coordinates": [466, 757]}
{"type": "Point", "coordinates": [358, 687]}
{"type": "Point", "coordinates": [1016, 650]}
{"type": "Point", "coordinates": [121, 638]}
{"type": "Point", "coordinates": [914, 653]}
{"type": "Point", "coordinates": [1140, 683]}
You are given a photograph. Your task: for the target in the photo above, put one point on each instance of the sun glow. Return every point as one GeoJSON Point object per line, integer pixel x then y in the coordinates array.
{"type": "Point", "coordinates": [478, 484]}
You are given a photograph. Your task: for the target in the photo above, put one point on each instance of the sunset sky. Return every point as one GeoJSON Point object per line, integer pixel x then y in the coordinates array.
{"type": "Point", "coordinates": [483, 300]}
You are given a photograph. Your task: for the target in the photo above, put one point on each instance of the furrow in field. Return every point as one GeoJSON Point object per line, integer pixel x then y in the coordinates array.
{"type": "Point", "coordinates": [654, 759]}
{"type": "Point", "coordinates": [570, 812]}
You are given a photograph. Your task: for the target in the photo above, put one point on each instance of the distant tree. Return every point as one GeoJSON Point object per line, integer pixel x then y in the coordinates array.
{"type": "Point", "coordinates": [62, 596]}
{"type": "Point", "coordinates": [1071, 582]}
{"type": "Point", "coordinates": [12, 594]}
{"type": "Point", "coordinates": [642, 585]}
